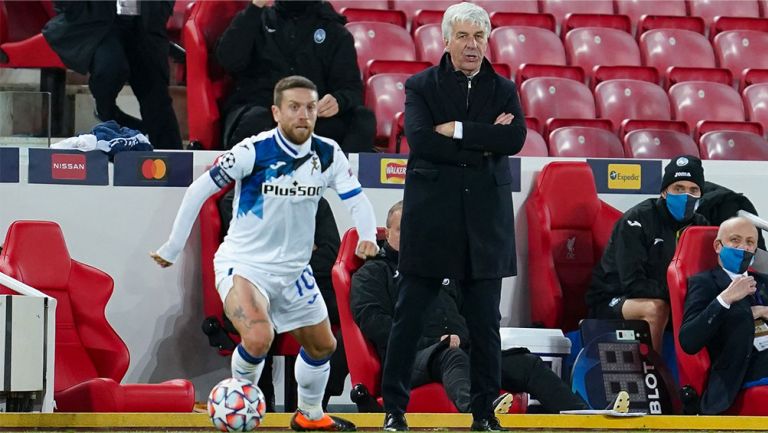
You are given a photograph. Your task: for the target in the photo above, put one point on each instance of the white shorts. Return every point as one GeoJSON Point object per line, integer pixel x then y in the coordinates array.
{"type": "Point", "coordinates": [293, 303]}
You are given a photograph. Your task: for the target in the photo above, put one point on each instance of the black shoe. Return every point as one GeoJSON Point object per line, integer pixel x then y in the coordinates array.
{"type": "Point", "coordinates": [488, 424]}
{"type": "Point", "coordinates": [395, 422]}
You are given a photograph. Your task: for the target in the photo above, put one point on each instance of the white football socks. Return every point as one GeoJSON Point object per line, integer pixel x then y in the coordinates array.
{"type": "Point", "coordinates": [311, 376]}
{"type": "Point", "coordinates": [246, 366]}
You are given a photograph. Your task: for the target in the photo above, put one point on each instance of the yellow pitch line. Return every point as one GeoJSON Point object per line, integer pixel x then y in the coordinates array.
{"type": "Point", "coordinates": [374, 421]}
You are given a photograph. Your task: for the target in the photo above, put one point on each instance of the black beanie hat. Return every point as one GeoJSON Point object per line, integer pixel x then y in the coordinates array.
{"type": "Point", "coordinates": [685, 167]}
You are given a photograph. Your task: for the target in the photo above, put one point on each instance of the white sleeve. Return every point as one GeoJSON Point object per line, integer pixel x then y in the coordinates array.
{"type": "Point", "coordinates": [197, 193]}
{"type": "Point", "coordinates": [362, 214]}
{"type": "Point", "coordinates": [230, 166]}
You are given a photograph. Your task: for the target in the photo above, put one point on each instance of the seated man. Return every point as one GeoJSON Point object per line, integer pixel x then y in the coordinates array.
{"type": "Point", "coordinates": [723, 306]}
{"type": "Point", "coordinates": [630, 282]}
{"type": "Point", "coordinates": [443, 348]}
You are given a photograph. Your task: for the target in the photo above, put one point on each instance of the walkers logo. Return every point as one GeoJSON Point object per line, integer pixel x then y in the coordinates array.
{"type": "Point", "coordinates": [624, 176]}
{"type": "Point", "coordinates": [393, 171]}
{"type": "Point", "coordinates": [153, 169]}
{"type": "Point", "coordinates": [68, 167]}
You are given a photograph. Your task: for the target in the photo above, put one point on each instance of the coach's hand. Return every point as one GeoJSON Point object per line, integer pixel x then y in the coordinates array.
{"type": "Point", "coordinates": [159, 260]}
{"type": "Point", "coordinates": [366, 249]}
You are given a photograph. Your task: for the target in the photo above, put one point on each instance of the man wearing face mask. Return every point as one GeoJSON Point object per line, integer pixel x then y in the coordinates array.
{"type": "Point", "coordinates": [264, 44]}
{"type": "Point", "coordinates": [723, 309]}
{"type": "Point", "coordinates": [630, 282]}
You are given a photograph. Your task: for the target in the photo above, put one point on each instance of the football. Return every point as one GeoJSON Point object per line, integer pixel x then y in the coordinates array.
{"type": "Point", "coordinates": [236, 405]}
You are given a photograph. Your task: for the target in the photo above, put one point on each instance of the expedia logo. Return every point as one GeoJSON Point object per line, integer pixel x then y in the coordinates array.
{"type": "Point", "coordinates": [153, 169]}
{"type": "Point", "coordinates": [624, 176]}
{"type": "Point", "coordinates": [68, 166]}
{"type": "Point", "coordinates": [295, 190]}
{"type": "Point", "coordinates": [393, 170]}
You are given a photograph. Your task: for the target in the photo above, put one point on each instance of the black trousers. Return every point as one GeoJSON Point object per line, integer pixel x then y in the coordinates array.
{"type": "Point", "coordinates": [481, 311]}
{"type": "Point", "coordinates": [354, 131]}
{"type": "Point", "coordinates": [129, 55]}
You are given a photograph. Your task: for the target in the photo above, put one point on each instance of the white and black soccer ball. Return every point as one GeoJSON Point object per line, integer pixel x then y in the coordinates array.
{"type": "Point", "coordinates": [236, 405]}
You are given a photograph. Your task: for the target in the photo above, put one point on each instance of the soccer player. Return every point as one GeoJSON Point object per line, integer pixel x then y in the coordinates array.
{"type": "Point", "coordinates": [262, 267]}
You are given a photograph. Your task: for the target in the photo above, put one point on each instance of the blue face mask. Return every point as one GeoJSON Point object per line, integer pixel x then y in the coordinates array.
{"type": "Point", "coordinates": [736, 260]}
{"type": "Point", "coordinates": [682, 206]}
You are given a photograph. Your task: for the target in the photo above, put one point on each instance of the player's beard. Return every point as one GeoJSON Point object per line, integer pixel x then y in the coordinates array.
{"type": "Point", "coordinates": [298, 135]}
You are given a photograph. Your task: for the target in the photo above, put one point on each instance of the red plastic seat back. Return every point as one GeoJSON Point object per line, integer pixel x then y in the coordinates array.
{"type": "Point", "coordinates": [756, 103]}
{"type": "Point", "coordinates": [694, 101]}
{"type": "Point", "coordinates": [584, 141]}
{"type": "Point", "coordinates": [364, 364]}
{"type": "Point", "coordinates": [534, 145]}
{"type": "Point", "coordinates": [519, 45]}
{"type": "Point", "coordinates": [733, 145]}
{"type": "Point", "coordinates": [568, 228]}
{"type": "Point", "coordinates": [738, 50]}
{"type": "Point", "coordinates": [385, 96]}
{"type": "Point", "coordinates": [430, 45]}
{"type": "Point", "coordinates": [87, 347]}
{"type": "Point", "coordinates": [711, 9]}
{"type": "Point", "coordinates": [662, 48]}
{"type": "Point", "coordinates": [694, 254]}
{"type": "Point", "coordinates": [552, 97]}
{"type": "Point", "coordinates": [631, 99]}
{"type": "Point", "coordinates": [658, 144]}
{"type": "Point", "coordinates": [376, 40]}
{"type": "Point", "coordinates": [635, 9]}
{"type": "Point", "coordinates": [207, 83]}
{"type": "Point", "coordinates": [525, 6]}
{"type": "Point", "coordinates": [592, 46]}
{"type": "Point", "coordinates": [561, 8]}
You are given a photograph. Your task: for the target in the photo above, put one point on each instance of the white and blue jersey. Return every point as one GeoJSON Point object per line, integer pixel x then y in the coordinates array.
{"type": "Point", "coordinates": [277, 187]}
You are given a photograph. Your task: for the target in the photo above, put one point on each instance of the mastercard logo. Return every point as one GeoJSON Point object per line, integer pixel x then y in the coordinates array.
{"type": "Point", "coordinates": [154, 169]}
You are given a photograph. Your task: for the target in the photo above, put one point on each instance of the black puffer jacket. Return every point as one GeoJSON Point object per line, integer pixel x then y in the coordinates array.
{"type": "Point", "coordinates": [373, 295]}
{"type": "Point", "coordinates": [264, 45]}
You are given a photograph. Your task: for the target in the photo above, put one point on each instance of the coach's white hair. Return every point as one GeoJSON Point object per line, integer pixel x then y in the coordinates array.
{"type": "Point", "coordinates": [465, 12]}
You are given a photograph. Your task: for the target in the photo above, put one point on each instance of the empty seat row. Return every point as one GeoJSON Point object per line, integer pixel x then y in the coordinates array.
{"type": "Point", "coordinates": [706, 10]}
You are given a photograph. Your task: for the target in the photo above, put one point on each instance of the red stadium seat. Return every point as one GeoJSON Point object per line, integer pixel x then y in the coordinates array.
{"type": "Point", "coordinates": [411, 7]}
{"type": "Point", "coordinates": [548, 97]}
{"type": "Point", "coordinates": [534, 145]}
{"type": "Point", "coordinates": [581, 141]}
{"type": "Point", "coordinates": [694, 101]}
{"type": "Point", "coordinates": [568, 229]}
{"type": "Point", "coordinates": [724, 24]}
{"type": "Point", "coordinates": [207, 83]}
{"type": "Point", "coordinates": [681, 74]}
{"type": "Point", "coordinates": [576, 20]}
{"type": "Point", "coordinates": [395, 17]}
{"type": "Point", "coordinates": [564, 122]}
{"type": "Point", "coordinates": [631, 99]}
{"type": "Point", "coordinates": [756, 103]}
{"type": "Point", "coordinates": [430, 45]}
{"type": "Point", "coordinates": [630, 125]}
{"type": "Point", "coordinates": [382, 41]}
{"type": "Point", "coordinates": [653, 22]}
{"type": "Point", "coordinates": [663, 48]}
{"type": "Point", "coordinates": [517, 46]}
{"type": "Point", "coordinates": [695, 254]}
{"type": "Point", "coordinates": [739, 50]}
{"type": "Point", "coordinates": [397, 141]}
{"type": "Point", "coordinates": [505, 19]}
{"type": "Point", "coordinates": [733, 145]}
{"type": "Point", "coordinates": [396, 67]}
{"type": "Point", "coordinates": [363, 361]}
{"type": "Point", "coordinates": [385, 96]}
{"type": "Point", "coordinates": [642, 73]}
{"type": "Point", "coordinates": [90, 358]}
{"type": "Point", "coordinates": [491, 6]}
{"type": "Point", "coordinates": [709, 10]}
{"type": "Point", "coordinates": [658, 144]}
{"type": "Point", "coordinates": [723, 125]}
{"type": "Point", "coordinates": [589, 47]}
{"type": "Point", "coordinates": [561, 8]}
{"type": "Point", "coordinates": [365, 4]}
{"type": "Point", "coordinates": [635, 9]}
{"type": "Point", "coordinates": [425, 16]}
{"type": "Point", "coordinates": [532, 70]}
